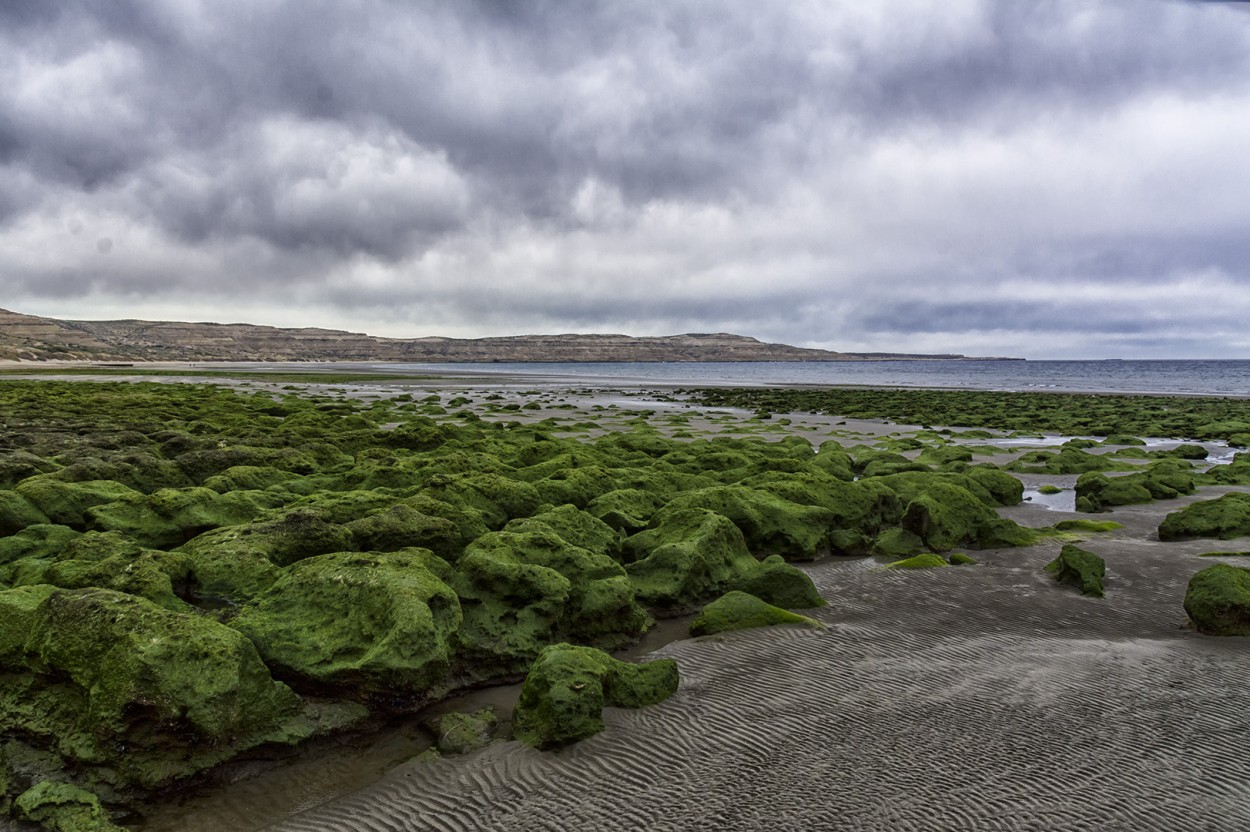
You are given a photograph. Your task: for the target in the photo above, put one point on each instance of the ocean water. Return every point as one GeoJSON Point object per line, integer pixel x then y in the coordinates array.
{"type": "Point", "coordinates": [1222, 378]}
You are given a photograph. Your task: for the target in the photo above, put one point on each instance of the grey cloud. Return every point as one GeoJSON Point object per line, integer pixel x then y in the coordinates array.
{"type": "Point", "coordinates": [296, 145]}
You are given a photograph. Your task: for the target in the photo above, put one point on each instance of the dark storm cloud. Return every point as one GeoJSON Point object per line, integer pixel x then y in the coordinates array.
{"type": "Point", "coordinates": [807, 171]}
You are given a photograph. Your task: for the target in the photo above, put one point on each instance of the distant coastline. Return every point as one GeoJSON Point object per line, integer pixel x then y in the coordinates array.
{"type": "Point", "coordinates": [32, 338]}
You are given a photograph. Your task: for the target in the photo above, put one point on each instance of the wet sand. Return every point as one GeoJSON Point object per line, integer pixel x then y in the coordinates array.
{"type": "Point", "coordinates": [982, 698]}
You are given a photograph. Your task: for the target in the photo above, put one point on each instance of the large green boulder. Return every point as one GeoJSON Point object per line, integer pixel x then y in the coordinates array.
{"type": "Point", "coordinates": [38, 541]}
{"type": "Point", "coordinates": [86, 672]}
{"type": "Point", "coordinates": [739, 611]}
{"type": "Point", "coordinates": [686, 557]}
{"type": "Point", "coordinates": [771, 525]}
{"type": "Point", "coordinates": [577, 527]}
{"type": "Point", "coordinates": [17, 512]}
{"type": "Point", "coordinates": [109, 560]}
{"type": "Point", "coordinates": [945, 515]}
{"type": "Point", "coordinates": [1218, 600]}
{"type": "Point", "coordinates": [66, 503]}
{"type": "Point", "coordinates": [365, 624]}
{"type": "Point", "coordinates": [498, 498]}
{"type": "Point", "coordinates": [172, 516]}
{"type": "Point", "coordinates": [400, 526]}
{"type": "Point", "coordinates": [600, 607]}
{"type": "Point", "coordinates": [62, 807]}
{"type": "Point", "coordinates": [1223, 518]}
{"type": "Point", "coordinates": [780, 583]}
{"type": "Point", "coordinates": [1079, 568]}
{"type": "Point", "coordinates": [567, 687]}
{"type": "Point", "coordinates": [627, 510]}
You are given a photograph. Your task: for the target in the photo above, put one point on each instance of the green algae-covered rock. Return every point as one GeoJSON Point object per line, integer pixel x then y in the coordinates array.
{"type": "Point", "coordinates": [401, 526]}
{"type": "Point", "coordinates": [1080, 568]}
{"type": "Point", "coordinates": [109, 560]}
{"type": "Point", "coordinates": [739, 611]}
{"type": "Point", "coordinates": [577, 486]}
{"type": "Point", "coordinates": [172, 516]}
{"type": "Point", "coordinates": [780, 584]}
{"type": "Point", "coordinates": [628, 510]}
{"type": "Point", "coordinates": [769, 524]}
{"type": "Point", "coordinates": [17, 512]}
{"type": "Point", "coordinates": [960, 559]}
{"type": "Point", "coordinates": [87, 671]}
{"type": "Point", "coordinates": [945, 515]}
{"type": "Point", "coordinates": [567, 687]}
{"type": "Point", "coordinates": [498, 498]}
{"type": "Point", "coordinates": [1218, 600]}
{"type": "Point", "coordinates": [689, 556]}
{"type": "Point", "coordinates": [897, 543]}
{"type": "Point", "coordinates": [38, 541]}
{"type": "Point", "coordinates": [926, 561]}
{"type": "Point", "coordinates": [363, 623]}
{"type": "Point", "coordinates": [62, 807]}
{"type": "Point", "coordinates": [460, 733]}
{"type": "Point", "coordinates": [600, 609]}
{"type": "Point", "coordinates": [1223, 518]}
{"type": "Point", "coordinates": [574, 526]}
{"type": "Point", "coordinates": [65, 503]}
{"type": "Point", "coordinates": [248, 478]}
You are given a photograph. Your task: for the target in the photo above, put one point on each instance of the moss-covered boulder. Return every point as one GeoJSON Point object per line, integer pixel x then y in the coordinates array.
{"type": "Point", "coordinates": [781, 584]}
{"type": "Point", "coordinates": [945, 515]}
{"type": "Point", "coordinates": [461, 733]}
{"type": "Point", "coordinates": [172, 516]}
{"type": "Point", "coordinates": [109, 560]}
{"type": "Point", "coordinates": [401, 526]}
{"type": "Point", "coordinates": [38, 541]}
{"type": "Point", "coordinates": [17, 512]}
{"type": "Point", "coordinates": [66, 503]}
{"type": "Point", "coordinates": [567, 687]}
{"type": "Point", "coordinates": [960, 559]}
{"type": "Point", "coordinates": [365, 624]}
{"type": "Point", "coordinates": [687, 557]}
{"type": "Point", "coordinates": [1223, 518]}
{"type": "Point", "coordinates": [1079, 568]}
{"type": "Point", "coordinates": [62, 807]}
{"type": "Point", "coordinates": [574, 526]}
{"type": "Point", "coordinates": [1218, 600]}
{"type": "Point", "coordinates": [771, 525]}
{"type": "Point", "coordinates": [739, 611]}
{"type": "Point", "coordinates": [627, 510]}
{"type": "Point", "coordinates": [85, 672]}
{"type": "Point", "coordinates": [498, 498]}
{"type": "Point", "coordinates": [600, 607]}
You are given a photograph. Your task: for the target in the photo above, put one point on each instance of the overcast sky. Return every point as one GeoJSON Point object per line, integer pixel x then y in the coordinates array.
{"type": "Point", "coordinates": [1040, 178]}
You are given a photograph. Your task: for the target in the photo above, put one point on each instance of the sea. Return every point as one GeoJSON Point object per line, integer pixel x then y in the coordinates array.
{"type": "Point", "coordinates": [1187, 377]}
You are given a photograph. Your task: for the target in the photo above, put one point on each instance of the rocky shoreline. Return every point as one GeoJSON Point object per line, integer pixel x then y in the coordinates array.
{"type": "Point", "coordinates": [344, 552]}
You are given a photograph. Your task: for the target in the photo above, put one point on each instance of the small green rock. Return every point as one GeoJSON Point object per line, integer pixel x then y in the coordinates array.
{"type": "Point", "coordinates": [926, 561]}
{"type": "Point", "coordinates": [1079, 568]}
{"type": "Point", "coordinates": [739, 611]}
{"type": "Point", "coordinates": [960, 559]}
{"type": "Point", "coordinates": [567, 688]}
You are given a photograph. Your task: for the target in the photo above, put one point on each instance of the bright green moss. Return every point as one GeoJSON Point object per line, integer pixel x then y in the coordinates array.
{"type": "Point", "coordinates": [685, 557]}
{"type": "Point", "coordinates": [61, 807]}
{"type": "Point", "coordinates": [1217, 600]}
{"type": "Point", "coordinates": [926, 561]}
{"type": "Point", "coordinates": [567, 688]}
{"type": "Point", "coordinates": [960, 559]}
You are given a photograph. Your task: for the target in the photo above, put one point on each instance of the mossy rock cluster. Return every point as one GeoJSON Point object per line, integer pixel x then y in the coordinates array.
{"type": "Point", "coordinates": [1162, 480]}
{"type": "Point", "coordinates": [321, 559]}
{"type": "Point", "coordinates": [568, 686]}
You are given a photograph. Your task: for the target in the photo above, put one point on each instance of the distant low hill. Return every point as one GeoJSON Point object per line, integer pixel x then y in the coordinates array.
{"type": "Point", "coordinates": [27, 337]}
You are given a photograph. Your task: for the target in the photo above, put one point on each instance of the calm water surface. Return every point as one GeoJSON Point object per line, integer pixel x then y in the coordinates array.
{"type": "Point", "coordinates": [1225, 378]}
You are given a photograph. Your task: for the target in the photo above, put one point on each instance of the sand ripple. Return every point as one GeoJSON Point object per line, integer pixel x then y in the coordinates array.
{"type": "Point", "coordinates": [958, 699]}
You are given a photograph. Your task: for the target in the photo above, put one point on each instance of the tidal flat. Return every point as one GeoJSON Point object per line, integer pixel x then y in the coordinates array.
{"type": "Point", "coordinates": [249, 603]}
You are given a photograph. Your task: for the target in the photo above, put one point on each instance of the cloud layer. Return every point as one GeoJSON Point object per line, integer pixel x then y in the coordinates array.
{"type": "Point", "coordinates": [1061, 179]}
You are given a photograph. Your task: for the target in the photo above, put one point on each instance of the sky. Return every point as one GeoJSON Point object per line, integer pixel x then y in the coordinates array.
{"type": "Point", "coordinates": [1058, 179]}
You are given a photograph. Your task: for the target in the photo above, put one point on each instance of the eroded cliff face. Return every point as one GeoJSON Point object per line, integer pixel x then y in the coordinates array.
{"type": "Point", "coordinates": [40, 339]}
